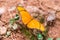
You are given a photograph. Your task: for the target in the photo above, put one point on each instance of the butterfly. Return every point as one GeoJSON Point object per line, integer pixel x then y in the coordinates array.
{"type": "Point", "coordinates": [28, 20]}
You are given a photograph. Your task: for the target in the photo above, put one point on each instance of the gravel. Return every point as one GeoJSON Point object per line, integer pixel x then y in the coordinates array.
{"type": "Point", "coordinates": [3, 30]}
{"type": "Point", "coordinates": [43, 6]}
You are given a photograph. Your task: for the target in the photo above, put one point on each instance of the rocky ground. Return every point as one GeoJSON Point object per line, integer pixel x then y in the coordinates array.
{"type": "Point", "coordinates": [44, 7]}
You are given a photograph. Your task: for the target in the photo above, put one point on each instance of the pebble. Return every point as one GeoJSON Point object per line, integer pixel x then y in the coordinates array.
{"type": "Point", "coordinates": [2, 10]}
{"type": "Point", "coordinates": [58, 15]}
{"type": "Point", "coordinates": [15, 26]}
{"type": "Point", "coordinates": [12, 8]}
{"type": "Point", "coordinates": [51, 16]}
{"type": "Point", "coordinates": [32, 9]}
{"type": "Point", "coordinates": [3, 30]}
{"type": "Point", "coordinates": [8, 33]}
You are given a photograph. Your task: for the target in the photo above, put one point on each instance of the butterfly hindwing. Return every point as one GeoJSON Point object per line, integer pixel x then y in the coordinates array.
{"type": "Point", "coordinates": [35, 24]}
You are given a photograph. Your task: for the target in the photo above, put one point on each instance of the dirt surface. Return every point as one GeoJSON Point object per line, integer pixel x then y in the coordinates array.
{"type": "Point", "coordinates": [42, 6]}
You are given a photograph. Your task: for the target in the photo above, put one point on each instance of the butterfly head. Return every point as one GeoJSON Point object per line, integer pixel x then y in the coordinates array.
{"type": "Point", "coordinates": [20, 8]}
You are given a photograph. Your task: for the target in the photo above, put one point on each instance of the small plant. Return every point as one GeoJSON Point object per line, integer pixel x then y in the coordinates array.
{"type": "Point", "coordinates": [42, 19]}
{"type": "Point", "coordinates": [39, 36]}
{"type": "Point", "coordinates": [14, 19]}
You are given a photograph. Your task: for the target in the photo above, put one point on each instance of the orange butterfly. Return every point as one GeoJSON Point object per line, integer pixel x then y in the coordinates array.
{"type": "Point", "coordinates": [28, 20]}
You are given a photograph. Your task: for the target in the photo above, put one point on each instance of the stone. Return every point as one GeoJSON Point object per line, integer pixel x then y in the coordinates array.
{"type": "Point", "coordinates": [3, 30]}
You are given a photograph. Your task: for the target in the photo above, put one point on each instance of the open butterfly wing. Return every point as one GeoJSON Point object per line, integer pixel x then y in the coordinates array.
{"type": "Point", "coordinates": [26, 17]}
{"type": "Point", "coordinates": [34, 24]}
